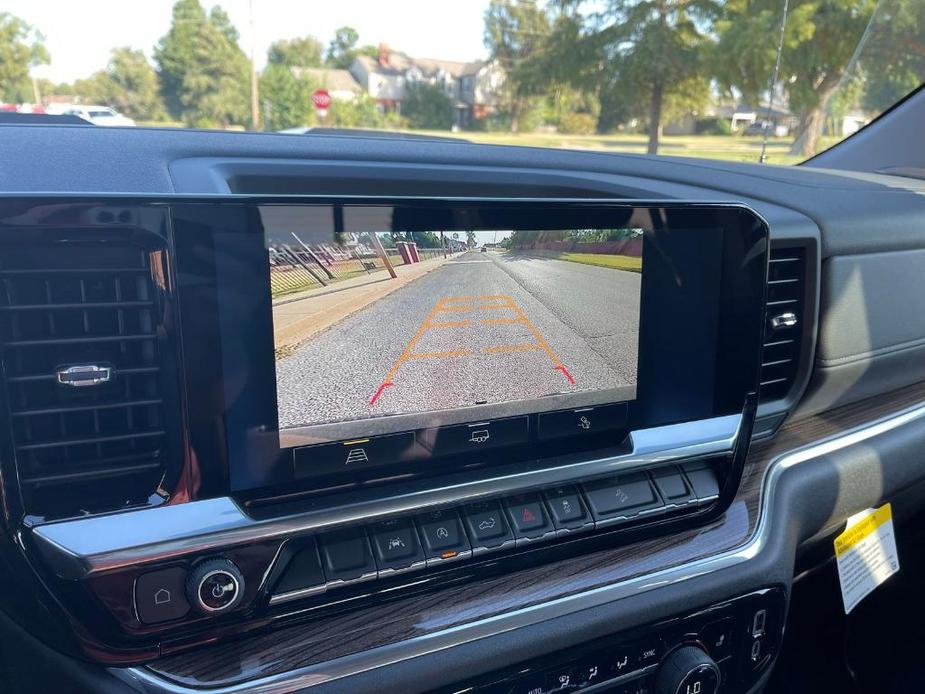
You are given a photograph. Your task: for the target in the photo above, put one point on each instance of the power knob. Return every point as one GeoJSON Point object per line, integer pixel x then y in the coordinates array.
{"type": "Point", "coordinates": [688, 670]}
{"type": "Point", "coordinates": [215, 586]}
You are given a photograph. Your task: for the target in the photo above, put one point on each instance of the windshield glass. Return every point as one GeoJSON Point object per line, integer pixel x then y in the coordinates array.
{"type": "Point", "coordinates": [743, 80]}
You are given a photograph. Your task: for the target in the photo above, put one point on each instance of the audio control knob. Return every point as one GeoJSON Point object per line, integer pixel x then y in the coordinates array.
{"type": "Point", "coordinates": [215, 586]}
{"type": "Point", "coordinates": [688, 670]}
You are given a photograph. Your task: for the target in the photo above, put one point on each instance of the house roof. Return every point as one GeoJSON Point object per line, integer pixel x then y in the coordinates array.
{"type": "Point", "coordinates": [399, 63]}
{"type": "Point", "coordinates": [337, 80]}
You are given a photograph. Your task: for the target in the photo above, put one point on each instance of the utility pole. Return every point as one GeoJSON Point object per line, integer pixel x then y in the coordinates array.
{"type": "Point", "coordinates": [255, 102]}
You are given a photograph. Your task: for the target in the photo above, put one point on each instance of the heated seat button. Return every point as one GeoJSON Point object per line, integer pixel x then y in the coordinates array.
{"type": "Point", "coordinates": [581, 422]}
{"type": "Point", "coordinates": [442, 535]}
{"type": "Point", "coordinates": [717, 637]}
{"type": "Point", "coordinates": [396, 545]}
{"type": "Point", "coordinates": [486, 526]}
{"type": "Point", "coordinates": [528, 517]}
{"type": "Point", "coordinates": [346, 555]}
{"type": "Point", "coordinates": [626, 495]}
{"type": "Point", "coordinates": [161, 595]}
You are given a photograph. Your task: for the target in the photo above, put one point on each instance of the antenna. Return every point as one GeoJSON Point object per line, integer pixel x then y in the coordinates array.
{"type": "Point", "coordinates": [780, 50]}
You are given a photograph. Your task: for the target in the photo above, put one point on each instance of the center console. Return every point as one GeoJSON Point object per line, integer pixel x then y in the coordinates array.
{"type": "Point", "coordinates": [234, 413]}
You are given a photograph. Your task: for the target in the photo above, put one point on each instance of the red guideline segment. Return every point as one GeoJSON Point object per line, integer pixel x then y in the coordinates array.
{"type": "Point", "coordinates": [379, 392]}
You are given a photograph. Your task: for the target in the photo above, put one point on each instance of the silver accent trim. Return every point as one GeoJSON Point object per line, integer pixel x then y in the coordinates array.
{"type": "Point", "coordinates": [151, 683]}
{"type": "Point", "coordinates": [234, 601]}
{"type": "Point", "coordinates": [78, 548]}
{"type": "Point", "coordinates": [784, 320]}
{"type": "Point", "coordinates": [83, 375]}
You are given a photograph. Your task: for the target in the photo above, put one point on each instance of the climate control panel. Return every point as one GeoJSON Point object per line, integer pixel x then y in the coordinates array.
{"type": "Point", "coordinates": [722, 649]}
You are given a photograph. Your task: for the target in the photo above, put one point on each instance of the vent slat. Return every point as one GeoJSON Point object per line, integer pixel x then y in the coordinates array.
{"type": "Point", "coordinates": [87, 408]}
{"type": "Point", "coordinates": [786, 275]}
{"type": "Point", "coordinates": [79, 305]}
{"type": "Point", "coordinates": [83, 448]}
{"type": "Point", "coordinates": [79, 340]}
{"type": "Point", "coordinates": [91, 440]}
{"type": "Point", "coordinates": [105, 473]}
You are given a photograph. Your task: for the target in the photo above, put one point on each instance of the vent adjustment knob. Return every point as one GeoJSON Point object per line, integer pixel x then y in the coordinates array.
{"type": "Point", "coordinates": [215, 586]}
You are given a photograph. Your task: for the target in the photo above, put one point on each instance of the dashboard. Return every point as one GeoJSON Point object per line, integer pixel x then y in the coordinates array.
{"type": "Point", "coordinates": [261, 434]}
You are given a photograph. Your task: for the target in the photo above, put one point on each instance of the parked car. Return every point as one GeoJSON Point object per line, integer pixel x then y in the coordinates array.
{"type": "Point", "coordinates": [102, 115]}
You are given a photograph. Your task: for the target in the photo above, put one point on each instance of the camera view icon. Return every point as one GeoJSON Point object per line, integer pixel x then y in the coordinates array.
{"type": "Point", "coordinates": [357, 455]}
{"type": "Point", "coordinates": [479, 436]}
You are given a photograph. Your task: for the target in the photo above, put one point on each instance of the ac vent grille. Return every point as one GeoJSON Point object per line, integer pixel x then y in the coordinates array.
{"type": "Point", "coordinates": [784, 315]}
{"type": "Point", "coordinates": [83, 447]}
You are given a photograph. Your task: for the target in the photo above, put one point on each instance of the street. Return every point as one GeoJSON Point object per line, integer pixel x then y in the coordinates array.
{"type": "Point", "coordinates": [483, 328]}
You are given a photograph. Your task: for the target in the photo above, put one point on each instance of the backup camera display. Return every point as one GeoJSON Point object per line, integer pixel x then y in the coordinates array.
{"type": "Point", "coordinates": [373, 325]}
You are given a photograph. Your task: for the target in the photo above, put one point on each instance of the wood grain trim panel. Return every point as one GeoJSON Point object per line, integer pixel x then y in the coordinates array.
{"type": "Point", "coordinates": [325, 639]}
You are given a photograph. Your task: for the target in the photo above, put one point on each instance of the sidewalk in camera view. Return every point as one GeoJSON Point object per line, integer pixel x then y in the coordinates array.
{"type": "Point", "coordinates": [297, 317]}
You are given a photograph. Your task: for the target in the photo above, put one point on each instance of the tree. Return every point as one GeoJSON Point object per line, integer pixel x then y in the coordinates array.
{"type": "Point", "coordinates": [287, 99]}
{"type": "Point", "coordinates": [516, 35]}
{"type": "Point", "coordinates": [204, 73]}
{"type": "Point", "coordinates": [893, 59]}
{"type": "Point", "coordinates": [646, 56]}
{"type": "Point", "coordinates": [21, 48]}
{"type": "Point", "coordinates": [128, 84]}
{"type": "Point", "coordinates": [819, 39]}
{"type": "Point", "coordinates": [427, 106]}
{"type": "Point", "coordinates": [470, 239]}
{"type": "Point", "coordinates": [342, 50]}
{"type": "Point", "coordinates": [299, 52]}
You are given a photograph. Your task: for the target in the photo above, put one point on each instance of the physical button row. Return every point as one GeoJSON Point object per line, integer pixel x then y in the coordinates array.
{"type": "Point", "coordinates": [389, 547]}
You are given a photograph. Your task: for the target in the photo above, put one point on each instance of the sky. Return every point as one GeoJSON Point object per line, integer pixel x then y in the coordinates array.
{"type": "Point", "coordinates": [80, 33]}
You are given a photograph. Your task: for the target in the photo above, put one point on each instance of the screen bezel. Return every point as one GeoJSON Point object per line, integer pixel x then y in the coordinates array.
{"type": "Point", "coordinates": [665, 382]}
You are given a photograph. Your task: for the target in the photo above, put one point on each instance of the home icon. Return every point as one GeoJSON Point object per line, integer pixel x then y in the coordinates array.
{"type": "Point", "coordinates": [162, 597]}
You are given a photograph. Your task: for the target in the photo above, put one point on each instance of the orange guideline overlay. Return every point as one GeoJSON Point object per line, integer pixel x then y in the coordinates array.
{"type": "Point", "coordinates": [468, 304]}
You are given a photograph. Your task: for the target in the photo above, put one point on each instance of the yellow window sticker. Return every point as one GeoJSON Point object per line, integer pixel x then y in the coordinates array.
{"type": "Point", "coordinates": [865, 554]}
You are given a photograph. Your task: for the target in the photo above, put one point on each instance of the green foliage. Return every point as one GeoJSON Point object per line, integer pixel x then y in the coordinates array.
{"type": "Point", "coordinates": [819, 40]}
{"type": "Point", "coordinates": [426, 106]}
{"type": "Point", "coordinates": [713, 126]}
{"type": "Point", "coordinates": [516, 34]}
{"type": "Point", "coordinates": [128, 84]}
{"type": "Point", "coordinates": [577, 124]}
{"type": "Point", "coordinates": [894, 57]}
{"type": "Point", "coordinates": [299, 52]}
{"type": "Point", "coordinates": [204, 73]}
{"type": "Point", "coordinates": [343, 49]}
{"type": "Point", "coordinates": [286, 99]}
{"type": "Point", "coordinates": [21, 48]}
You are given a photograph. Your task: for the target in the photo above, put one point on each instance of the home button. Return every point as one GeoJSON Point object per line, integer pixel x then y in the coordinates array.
{"type": "Point", "coordinates": [161, 595]}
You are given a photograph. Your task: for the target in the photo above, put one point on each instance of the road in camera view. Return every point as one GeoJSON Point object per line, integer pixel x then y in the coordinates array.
{"type": "Point", "coordinates": [482, 328]}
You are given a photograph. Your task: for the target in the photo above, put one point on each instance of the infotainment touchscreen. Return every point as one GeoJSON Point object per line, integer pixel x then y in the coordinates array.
{"type": "Point", "coordinates": [375, 323]}
{"type": "Point", "coordinates": [364, 339]}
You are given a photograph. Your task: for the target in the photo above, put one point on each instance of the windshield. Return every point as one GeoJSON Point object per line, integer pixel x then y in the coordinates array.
{"type": "Point", "coordinates": [744, 80]}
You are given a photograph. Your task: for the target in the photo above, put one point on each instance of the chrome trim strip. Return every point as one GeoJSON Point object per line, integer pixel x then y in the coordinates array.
{"type": "Point", "coordinates": [151, 683]}
{"type": "Point", "coordinates": [75, 549]}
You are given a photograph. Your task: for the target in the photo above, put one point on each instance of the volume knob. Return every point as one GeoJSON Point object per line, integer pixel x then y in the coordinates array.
{"type": "Point", "coordinates": [688, 670]}
{"type": "Point", "coordinates": [215, 586]}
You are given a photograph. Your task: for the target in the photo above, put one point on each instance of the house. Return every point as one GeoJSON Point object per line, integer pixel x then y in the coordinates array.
{"type": "Point", "coordinates": [340, 83]}
{"type": "Point", "coordinates": [472, 86]}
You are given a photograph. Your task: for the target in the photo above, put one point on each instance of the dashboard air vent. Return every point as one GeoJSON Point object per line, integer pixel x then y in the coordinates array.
{"type": "Point", "coordinates": [79, 326]}
{"type": "Point", "coordinates": [784, 317]}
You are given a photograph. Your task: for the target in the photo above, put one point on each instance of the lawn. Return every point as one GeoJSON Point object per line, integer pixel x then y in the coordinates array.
{"type": "Point", "coordinates": [727, 147]}
{"type": "Point", "coordinates": [617, 262]}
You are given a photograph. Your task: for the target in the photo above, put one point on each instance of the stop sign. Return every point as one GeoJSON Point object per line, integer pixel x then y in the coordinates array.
{"type": "Point", "coordinates": [321, 99]}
